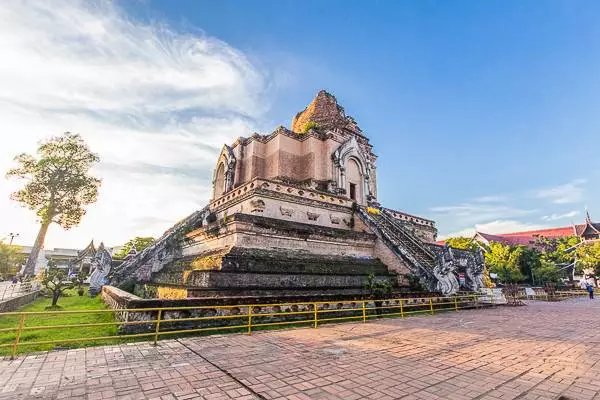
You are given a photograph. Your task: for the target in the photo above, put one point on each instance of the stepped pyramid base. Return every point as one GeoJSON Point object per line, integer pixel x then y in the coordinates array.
{"type": "Point", "coordinates": [252, 255]}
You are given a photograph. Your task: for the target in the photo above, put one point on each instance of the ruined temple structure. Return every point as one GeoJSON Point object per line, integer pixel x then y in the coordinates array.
{"type": "Point", "coordinates": [295, 213]}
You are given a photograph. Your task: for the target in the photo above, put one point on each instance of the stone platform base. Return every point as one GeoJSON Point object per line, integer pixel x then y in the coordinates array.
{"type": "Point", "coordinates": [235, 310]}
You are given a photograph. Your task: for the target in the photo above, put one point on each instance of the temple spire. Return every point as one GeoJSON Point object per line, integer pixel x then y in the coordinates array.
{"type": "Point", "coordinates": [588, 220]}
{"type": "Point", "coordinates": [325, 113]}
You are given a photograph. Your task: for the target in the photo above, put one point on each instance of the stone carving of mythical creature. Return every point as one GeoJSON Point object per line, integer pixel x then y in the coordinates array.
{"type": "Point", "coordinates": [161, 258]}
{"type": "Point", "coordinates": [444, 269]}
{"type": "Point", "coordinates": [100, 269]}
{"type": "Point", "coordinates": [475, 270]}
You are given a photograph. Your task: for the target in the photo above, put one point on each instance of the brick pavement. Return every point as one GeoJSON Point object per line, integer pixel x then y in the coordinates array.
{"type": "Point", "coordinates": [541, 351]}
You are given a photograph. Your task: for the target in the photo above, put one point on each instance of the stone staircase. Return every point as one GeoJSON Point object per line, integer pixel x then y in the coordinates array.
{"type": "Point", "coordinates": [168, 244]}
{"type": "Point", "coordinates": [403, 243]}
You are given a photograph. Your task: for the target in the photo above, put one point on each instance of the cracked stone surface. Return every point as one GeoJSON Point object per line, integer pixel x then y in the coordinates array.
{"type": "Point", "coordinates": [539, 351]}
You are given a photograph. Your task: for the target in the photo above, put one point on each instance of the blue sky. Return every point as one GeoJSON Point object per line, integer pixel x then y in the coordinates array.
{"type": "Point", "coordinates": [482, 113]}
{"type": "Point", "coordinates": [462, 99]}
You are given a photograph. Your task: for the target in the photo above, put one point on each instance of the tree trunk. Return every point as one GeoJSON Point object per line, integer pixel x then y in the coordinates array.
{"type": "Point", "coordinates": [55, 297]}
{"type": "Point", "coordinates": [35, 250]}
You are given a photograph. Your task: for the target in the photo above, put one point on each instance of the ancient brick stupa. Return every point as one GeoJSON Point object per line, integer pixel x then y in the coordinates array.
{"type": "Point", "coordinates": [295, 213]}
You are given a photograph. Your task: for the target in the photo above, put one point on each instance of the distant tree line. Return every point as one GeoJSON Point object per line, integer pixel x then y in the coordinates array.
{"type": "Point", "coordinates": [546, 261]}
{"type": "Point", "coordinates": [11, 260]}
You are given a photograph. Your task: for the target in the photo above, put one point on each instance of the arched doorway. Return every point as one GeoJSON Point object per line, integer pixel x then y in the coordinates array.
{"type": "Point", "coordinates": [220, 181]}
{"type": "Point", "coordinates": [354, 181]}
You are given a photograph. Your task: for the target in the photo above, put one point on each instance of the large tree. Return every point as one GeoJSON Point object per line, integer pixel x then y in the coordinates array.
{"type": "Point", "coordinates": [554, 250]}
{"type": "Point", "coordinates": [140, 244]}
{"type": "Point", "coordinates": [11, 259]}
{"type": "Point", "coordinates": [588, 256]}
{"type": "Point", "coordinates": [58, 185]}
{"type": "Point", "coordinates": [504, 261]}
{"type": "Point", "coordinates": [463, 243]}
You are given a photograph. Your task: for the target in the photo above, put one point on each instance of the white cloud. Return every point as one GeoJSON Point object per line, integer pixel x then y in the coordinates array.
{"type": "Point", "coordinates": [487, 216]}
{"type": "Point", "coordinates": [490, 199]}
{"type": "Point", "coordinates": [156, 104]}
{"type": "Point", "coordinates": [571, 192]}
{"type": "Point", "coordinates": [472, 213]}
{"type": "Point", "coordinates": [493, 227]}
{"type": "Point", "coordinates": [554, 217]}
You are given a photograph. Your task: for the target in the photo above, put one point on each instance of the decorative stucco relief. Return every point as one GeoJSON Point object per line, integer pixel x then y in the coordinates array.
{"type": "Point", "coordinates": [288, 212]}
{"type": "Point", "coordinates": [312, 216]}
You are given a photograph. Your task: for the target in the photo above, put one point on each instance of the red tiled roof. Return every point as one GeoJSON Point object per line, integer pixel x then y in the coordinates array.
{"type": "Point", "coordinates": [525, 240]}
{"type": "Point", "coordinates": [528, 238]}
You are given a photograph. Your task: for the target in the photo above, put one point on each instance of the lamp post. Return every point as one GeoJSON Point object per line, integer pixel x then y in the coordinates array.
{"type": "Point", "coordinates": [12, 236]}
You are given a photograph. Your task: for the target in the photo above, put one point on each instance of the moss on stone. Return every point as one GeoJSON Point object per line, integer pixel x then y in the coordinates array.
{"type": "Point", "coordinates": [309, 125]}
{"type": "Point", "coordinates": [166, 292]}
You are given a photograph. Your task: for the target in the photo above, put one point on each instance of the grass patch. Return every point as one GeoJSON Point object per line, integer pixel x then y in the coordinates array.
{"type": "Point", "coordinates": [70, 302]}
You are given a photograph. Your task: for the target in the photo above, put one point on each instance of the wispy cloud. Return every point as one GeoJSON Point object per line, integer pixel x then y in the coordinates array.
{"type": "Point", "coordinates": [156, 104]}
{"type": "Point", "coordinates": [497, 226]}
{"type": "Point", "coordinates": [571, 192]}
{"type": "Point", "coordinates": [471, 213]}
{"type": "Point", "coordinates": [490, 199]}
{"type": "Point", "coordinates": [502, 214]}
{"type": "Point", "coordinates": [554, 217]}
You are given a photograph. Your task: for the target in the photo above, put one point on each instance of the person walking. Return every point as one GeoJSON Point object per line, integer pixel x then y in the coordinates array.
{"type": "Point", "coordinates": [590, 290]}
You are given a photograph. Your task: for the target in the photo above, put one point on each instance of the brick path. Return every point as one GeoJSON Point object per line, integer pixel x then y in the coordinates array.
{"type": "Point", "coordinates": [540, 351]}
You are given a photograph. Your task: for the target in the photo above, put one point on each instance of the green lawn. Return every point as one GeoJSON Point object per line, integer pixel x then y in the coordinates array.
{"type": "Point", "coordinates": [68, 303]}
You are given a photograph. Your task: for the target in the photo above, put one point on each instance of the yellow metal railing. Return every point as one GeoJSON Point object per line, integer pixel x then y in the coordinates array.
{"type": "Point", "coordinates": [156, 323]}
{"type": "Point", "coordinates": [558, 295]}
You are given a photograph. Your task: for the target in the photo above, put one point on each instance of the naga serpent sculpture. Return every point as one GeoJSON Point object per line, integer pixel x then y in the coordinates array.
{"type": "Point", "coordinates": [447, 284]}
{"type": "Point", "coordinates": [101, 268]}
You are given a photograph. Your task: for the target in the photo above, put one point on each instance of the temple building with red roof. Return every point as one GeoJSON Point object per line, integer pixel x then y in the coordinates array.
{"type": "Point", "coordinates": [586, 231]}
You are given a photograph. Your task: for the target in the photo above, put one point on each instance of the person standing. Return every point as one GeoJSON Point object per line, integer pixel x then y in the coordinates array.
{"type": "Point", "coordinates": [590, 290]}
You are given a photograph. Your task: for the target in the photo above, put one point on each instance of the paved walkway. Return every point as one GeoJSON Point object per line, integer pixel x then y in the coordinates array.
{"type": "Point", "coordinates": [541, 351]}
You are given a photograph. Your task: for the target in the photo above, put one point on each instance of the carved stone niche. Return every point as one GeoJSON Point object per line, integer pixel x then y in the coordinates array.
{"type": "Point", "coordinates": [288, 212]}
{"type": "Point", "coordinates": [257, 205]}
{"type": "Point", "coordinates": [312, 216]}
{"type": "Point", "coordinates": [334, 220]}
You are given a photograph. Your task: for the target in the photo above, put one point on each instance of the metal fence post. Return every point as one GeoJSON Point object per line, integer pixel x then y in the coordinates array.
{"type": "Point", "coordinates": [316, 314]}
{"type": "Point", "coordinates": [249, 320]}
{"type": "Point", "coordinates": [18, 336]}
{"type": "Point", "coordinates": [157, 326]}
{"type": "Point", "coordinates": [431, 305]}
{"type": "Point", "coordinates": [401, 308]}
{"type": "Point", "coordinates": [455, 303]}
{"type": "Point", "coordinates": [364, 312]}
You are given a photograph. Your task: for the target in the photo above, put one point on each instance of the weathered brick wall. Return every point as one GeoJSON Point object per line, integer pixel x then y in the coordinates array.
{"type": "Point", "coordinates": [240, 307]}
{"type": "Point", "coordinates": [393, 262]}
{"type": "Point", "coordinates": [323, 110]}
{"type": "Point", "coordinates": [269, 233]}
{"type": "Point", "coordinates": [423, 228]}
